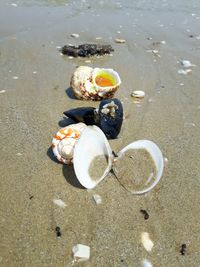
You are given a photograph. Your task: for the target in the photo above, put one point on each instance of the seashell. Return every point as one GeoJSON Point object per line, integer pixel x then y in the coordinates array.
{"type": "Point", "coordinates": [94, 84]}
{"type": "Point", "coordinates": [93, 143]}
{"type": "Point", "coordinates": [88, 115]}
{"type": "Point", "coordinates": [109, 116]}
{"type": "Point", "coordinates": [138, 94]}
{"type": "Point", "coordinates": [64, 141]}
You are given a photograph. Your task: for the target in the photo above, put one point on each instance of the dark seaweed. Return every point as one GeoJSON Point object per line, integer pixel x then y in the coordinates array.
{"type": "Point", "coordinates": [183, 249]}
{"type": "Point", "coordinates": [145, 213]}
{"type": "Point", "coordinates": [86, 50]}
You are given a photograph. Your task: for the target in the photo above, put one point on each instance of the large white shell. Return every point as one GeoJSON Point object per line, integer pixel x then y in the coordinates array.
{"type": "Point", "coordinates": [84, 85]}
{"type": "Point", "coordinates": [156, 155]}
{"type": "Point", "coordinates": [91, 143]}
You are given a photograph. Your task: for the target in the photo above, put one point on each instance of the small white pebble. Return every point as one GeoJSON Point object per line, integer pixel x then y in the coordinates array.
{"type": "Point", "coordinates": [2, 91]}
{"type": "Point", "coordinates": [163, 42]}
{"type": "Point", "coordinates": [146, 241]}
{"type": "Point", "coordinates": [34, 72]}
{"type": "Point", "coordinates": [59, 203]}
{"type": "Point", "coordinates": [138, 94]}
{"type": "Point", "coordinates": [181, 84]}
{"type": "Point", "coordinates": [75, 35]}
{"type": "Point", "coordinates": [15, 77]}
{"type": "Point", "coordinates": [97, 199]}
{"type": "Point", "coordinates": [146, 263]}
{"type": "Point", "coordinates": [70, 57]}
{"type": "Point", "coordinates": [13, 4]}
{"type": "Point", "coordinates": [19, 154]}
{"type": "Point", "coordinates": [81, 252]}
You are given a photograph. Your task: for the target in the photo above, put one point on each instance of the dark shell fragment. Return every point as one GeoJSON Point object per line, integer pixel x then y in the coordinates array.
{"type": "Point", "coordinates": [108, 118]}
{"type": "Point", "coordinates": [86, 50]}
{"type": "Point", "coordinates": [87, 115]}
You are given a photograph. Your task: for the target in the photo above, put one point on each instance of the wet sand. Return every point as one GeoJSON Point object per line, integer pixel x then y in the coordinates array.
{"type": "Point", "coordinates": [36, 78]}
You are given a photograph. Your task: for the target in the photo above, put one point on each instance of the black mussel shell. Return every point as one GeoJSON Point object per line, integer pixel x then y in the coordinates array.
{"type": "Point", "coordinates": [88, 115]}
{"type": "Point", "coordinates": [110, 117]}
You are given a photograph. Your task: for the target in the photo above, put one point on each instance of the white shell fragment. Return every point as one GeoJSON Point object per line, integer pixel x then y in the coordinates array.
{"type": "Point", "coordinates": [64, 141]}
{"type": "Point", "coordinates": [97, 199]}
{"type": "Point", "coordinates": [91, 143]}
{"type": "Point", "coordinates": [81, 252]}
{"type": "Point", "coordinates": [2, 91]}
{"type": "Point", "coordinates": [138, 94]}
{"type": "Point", "coordinates": [120, 41]}
{"type": "Point", "coordinates": [75, 35]}
{"type": "Point", "coordinates": [186, 63]}
{"type": "Point", "coordinates": [59, 203]}
{"type": "Point", "coordinates": [146, 263]}
{"type": "Point", "coordinates": [184, 72]}
{"type": "Point", "coordinates": [85, 86]}
{"type": "Point", "coordinates": [146, 241]}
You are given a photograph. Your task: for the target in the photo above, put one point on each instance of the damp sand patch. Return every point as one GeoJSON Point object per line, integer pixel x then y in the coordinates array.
{"type": "Point", "coordinates": [135, 169]}
{"type": "Point", "coordinates": [98, 167]}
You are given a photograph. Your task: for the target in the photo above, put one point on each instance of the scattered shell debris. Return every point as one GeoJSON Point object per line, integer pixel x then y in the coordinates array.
{"type": "Point", "coordinates": [97, 198]}
{"type": "Point", "coordinates": [138, 94]}
{"type": "Point", "coordinates": [184, 72]}
{"type": "Point", "coordinates": [15, 77]}
{"type": "Point", "coordinates": [75, 35]}
{"type": "Point", "coordinates": [81, 252]}
{"type": "Point", "coordinates": [146, 263]}
{"type": "Point", "coordinates": [19, 154]}
{"type": "Point", "coordinates": [120, 41]}
{"type": "Point", "coordinates": [59, 203]}
{"type": "Point", "coordinates": [187, 63]}
{"type": "Point", "coordinates": [2, 91]}
{"type": "Point", "coordinates": [146, 241]}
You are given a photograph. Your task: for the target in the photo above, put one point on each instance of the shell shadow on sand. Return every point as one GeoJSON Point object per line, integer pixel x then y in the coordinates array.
{"type": "Point", "coordinates": [68, 170]}
{"type": "Point", "coordinates": [70, 93]}
{"type": "Point", "coordinates": [70, 176]}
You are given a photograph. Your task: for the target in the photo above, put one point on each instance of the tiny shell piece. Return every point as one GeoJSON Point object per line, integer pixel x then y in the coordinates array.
{"type": "Point", "coordinates": [97, 199]}
{"type": "Point", "coordinates": [138, 94]}
{"type": "Point", "coordinates": [146, 241]}
{"type": "Point", "coordinates": [59, 203]}
{"type": "Point", "coordinates": [75, 35]}
{"type": "Point", "coordinates": [81, 252]}
{"type": "Point", "coordinates": [120, 41]}
{"type": "Point", "coordinates": [146, 263]}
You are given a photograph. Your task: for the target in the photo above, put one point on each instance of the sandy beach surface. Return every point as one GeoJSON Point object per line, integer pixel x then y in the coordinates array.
{"type": "Point", "coordinates": [34, 93]}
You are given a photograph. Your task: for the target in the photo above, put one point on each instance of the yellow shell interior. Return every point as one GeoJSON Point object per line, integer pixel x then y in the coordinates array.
{"type": "Point", "coordinates": [104, 79]}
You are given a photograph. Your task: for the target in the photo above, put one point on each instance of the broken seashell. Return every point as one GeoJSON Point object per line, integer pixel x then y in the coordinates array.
{"type": "Point", "coordinates": [186, 63]}
{"type": "Point", "coordinates": [93, 143]}
{"type": "Point", "coordinates": [94, 84]}
{"type": "Point", "coordinates": [108, 117]}
{"type": "Point", "coordinates": [120, 41]}
{"type": "Point", "coordinates": [64, 141]}
{"type": "Point", "coordinates": [81, 252]}
{"type": "Point", "coordinates": [138, 94]}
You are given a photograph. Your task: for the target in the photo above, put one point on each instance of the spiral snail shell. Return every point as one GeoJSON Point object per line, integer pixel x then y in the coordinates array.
{"type": "Point", "coordinates": [64, 141]}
